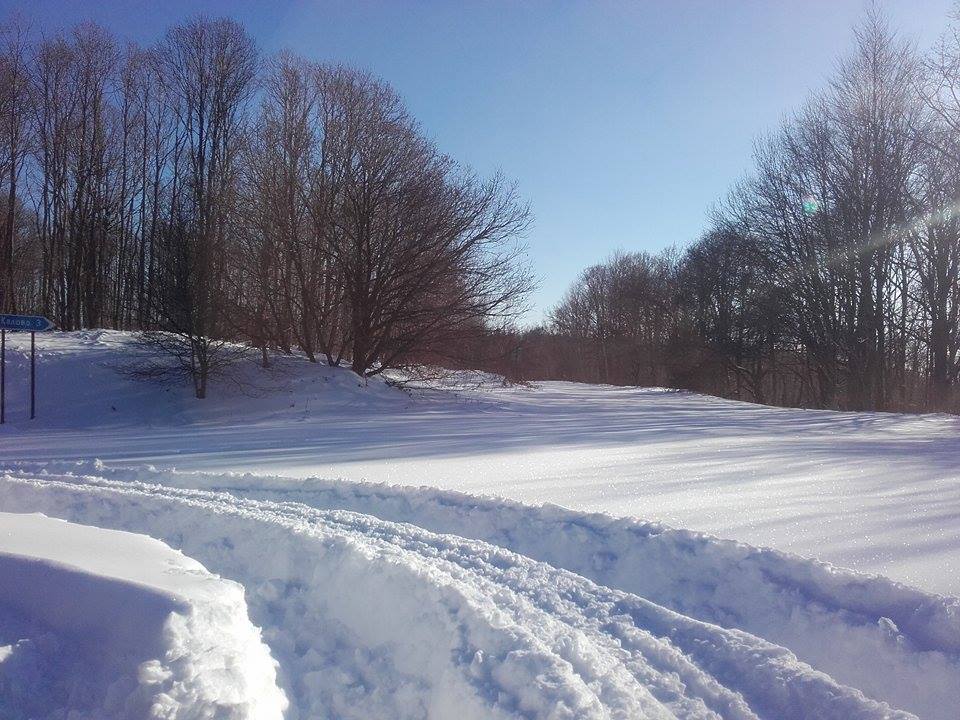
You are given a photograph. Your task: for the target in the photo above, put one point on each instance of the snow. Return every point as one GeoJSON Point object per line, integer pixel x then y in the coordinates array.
{"type": "Point", "coordinates": [870, 491]}
{"type": "Point", "coordinates": [370, 618]}
{"type": "Point", "coordinates": [112, 624]}
{"type": "Point", "coordinates": [893, 642]}
{"type": "Point", "coordinates": [565, 591]}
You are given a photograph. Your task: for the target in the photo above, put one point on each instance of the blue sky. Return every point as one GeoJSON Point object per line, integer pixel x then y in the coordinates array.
{"type": "Point", "coordinates": [622, 122]}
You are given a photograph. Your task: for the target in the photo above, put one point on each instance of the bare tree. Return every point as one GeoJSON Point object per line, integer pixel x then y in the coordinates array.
{"type": "Point", "coordinates": [15, 103]}
{"type": "Point", "coordinates": [425, 251]}
{"type": "Point", "coordinates": [208, 70]}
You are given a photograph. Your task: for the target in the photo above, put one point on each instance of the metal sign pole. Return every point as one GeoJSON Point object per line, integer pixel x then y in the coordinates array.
{"type": "Point", "coordinates": [3, 375]}
{"type": "Point", "coordinates": [35, 324]}
{"type": "Point", "coordinates": [33, 375]}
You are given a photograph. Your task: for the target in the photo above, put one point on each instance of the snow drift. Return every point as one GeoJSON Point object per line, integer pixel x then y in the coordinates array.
{"type": "Point", "coordinates": [372, 618]}
{"type": "Point", "coordinates": [894, 642]}
{"type": "Point", "coordinates": [418, 602]}
{"type": "Point", "coordinates": [107, 624]}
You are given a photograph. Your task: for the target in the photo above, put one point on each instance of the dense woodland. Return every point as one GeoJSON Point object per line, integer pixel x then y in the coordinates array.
{"type": "Point", "coordinates": [207, 196]}
{"type": "Point", "coordinates": [830, 277]}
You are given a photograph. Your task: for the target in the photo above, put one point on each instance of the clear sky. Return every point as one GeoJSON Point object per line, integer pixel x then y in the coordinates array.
{"type": "Point", "coordinates": [622, 122]}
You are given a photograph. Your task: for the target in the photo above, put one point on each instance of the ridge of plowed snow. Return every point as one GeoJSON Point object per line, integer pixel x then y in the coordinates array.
{"type": "Point", "coordinates": [626, 618]}
{"type": "Point", "coordinates": [893, 642]}
{"type": "Point", "coordinates": [370, 618]}
{"type": "Point", "coordinates": [108, 624]}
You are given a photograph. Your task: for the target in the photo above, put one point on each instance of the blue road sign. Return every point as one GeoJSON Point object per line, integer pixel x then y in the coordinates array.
{"type": "Point", "coordinates": [31, 323]}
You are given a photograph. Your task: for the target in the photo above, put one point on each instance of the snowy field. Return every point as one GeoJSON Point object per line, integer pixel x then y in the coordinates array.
{"type": "Point", "coordinates": [879, 493]}
{"type": "Point", "coordinates": [382, 600]}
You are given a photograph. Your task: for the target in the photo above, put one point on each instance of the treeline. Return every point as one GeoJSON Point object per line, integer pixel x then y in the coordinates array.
{"type": "Point", "coordinates": [829, 278]}
{"type": "Point", "coordinates": [205, 194]}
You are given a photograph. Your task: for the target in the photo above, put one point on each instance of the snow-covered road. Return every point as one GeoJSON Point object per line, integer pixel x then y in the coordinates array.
{"type": "Point", "coordinates": [875, 492]}
{"type": "Point", "coordinates": [370, 618]}
{"type": "Point", "coordinates": [412, 599]}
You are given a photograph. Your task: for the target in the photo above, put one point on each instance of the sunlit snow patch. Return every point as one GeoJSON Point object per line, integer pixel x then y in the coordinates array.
{"type": "Point", "coordinates": [109, 624]}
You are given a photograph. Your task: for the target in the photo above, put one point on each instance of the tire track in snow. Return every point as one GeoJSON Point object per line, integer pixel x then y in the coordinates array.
{"type": "Point", "coordinates": [369, 617]}
{"type": "Point", "coordinates": [895, 643]}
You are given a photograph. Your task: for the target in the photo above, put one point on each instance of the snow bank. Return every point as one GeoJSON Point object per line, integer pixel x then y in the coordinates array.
{"type": "Point", "coordinates": [893, 642]}
{"type": "Point", "coordinates": [370, 618]}
{"type": "Point", "coordinates": [109, 624]}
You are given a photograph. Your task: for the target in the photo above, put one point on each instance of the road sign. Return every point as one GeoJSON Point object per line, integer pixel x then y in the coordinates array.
{"type": "Point", "coordinates": [31, 323]}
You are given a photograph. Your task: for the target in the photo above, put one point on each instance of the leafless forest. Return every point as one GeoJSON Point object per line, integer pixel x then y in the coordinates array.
{"type": "Point", "coordinates": [208, 195]}
{"type": "Point", "coordinates": [830, 277]}
{"type": "Point", "coordinates": [203, 194]}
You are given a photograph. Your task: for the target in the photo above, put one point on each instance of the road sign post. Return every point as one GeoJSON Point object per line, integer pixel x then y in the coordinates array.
{"type": "Point", "coordinates": [32, 324]}
{"type": "Point", "coordinates": [33, 375]}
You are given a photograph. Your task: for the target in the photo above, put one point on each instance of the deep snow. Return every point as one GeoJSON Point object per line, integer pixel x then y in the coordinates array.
{"type": "Point", "coordinates": [392, 601]}
{"type": "Point", "coordinates": [112, 624]}
{"type": "Point", "coordinates": [875, 492]}
{"type": "Point", "coordinates": [370, 618]}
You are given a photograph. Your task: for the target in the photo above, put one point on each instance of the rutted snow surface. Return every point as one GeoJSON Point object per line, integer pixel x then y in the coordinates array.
{"type": "Point", "coordinates": [104, 624]}
{"type": "Point", "coordinates": [399, 602]}
{"type": "Point", "coordinates": [373, 618]}
{"type": "Point", "coordinates": [894, 642]}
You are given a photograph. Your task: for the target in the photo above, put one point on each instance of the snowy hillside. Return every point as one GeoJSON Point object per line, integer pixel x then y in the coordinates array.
{"type": "Point", "coordinates": [384, 600]}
